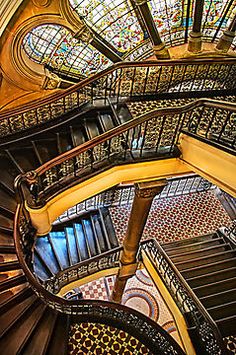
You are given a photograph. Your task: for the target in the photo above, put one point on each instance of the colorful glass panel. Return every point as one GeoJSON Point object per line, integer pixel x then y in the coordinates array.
{"type": "Point", "coordinates": [55, 46]}
{"type": "Point", "coordinates": [217, 15]}
{"type": "Point", "coordinates": [115, 20]}
{"type": "Point", "coordinates": [171, 18]}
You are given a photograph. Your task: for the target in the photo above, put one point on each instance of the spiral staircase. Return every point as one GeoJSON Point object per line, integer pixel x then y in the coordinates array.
{"type": "Point", "coordinates": [128, 112]}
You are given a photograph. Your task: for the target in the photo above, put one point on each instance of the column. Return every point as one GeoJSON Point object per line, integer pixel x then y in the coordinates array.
{"type": "Point", "coordinates": [144, 195]}
{"type": "Point", "coordinates": [160, 50]}
{"type": "Point", "coordinates": [227, 37]}
{"type": "Point", "coordinates": [195, 36]}
{"type": "Point", "coordinates": [87, 35]}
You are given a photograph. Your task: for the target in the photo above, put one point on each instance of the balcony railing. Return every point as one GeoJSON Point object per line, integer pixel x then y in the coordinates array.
{"type": "Point", "coordinates": [154, 135]}
{"type": "Point", "coordinates": [123, 195]}
{"type": "Point", "coordinates": [122, 81]}
{"type": "Point", "coordinates": [106, 261]}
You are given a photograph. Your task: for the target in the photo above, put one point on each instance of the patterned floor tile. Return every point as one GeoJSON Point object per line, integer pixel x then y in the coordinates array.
{"type": "Point", "coordinates": [96, 290]}
{"type": "Point", "coordinates": [96, 339]}
{"type": "Point", "coordinates": [176, 218]}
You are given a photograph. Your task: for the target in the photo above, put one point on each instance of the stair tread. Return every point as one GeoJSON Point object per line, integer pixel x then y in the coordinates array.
{"type": "Point", "coordinates": [212, 274]}
{"type": "Point", "coordinates": [59, 338]}
{"type": "Point", "coordinates": [22, 329]}
{"type": "Point", "coordinates": [7, 201]}
{"type": "Point", "coordinates": [39, 340]}
{"type": "Point", "coordinates": [207, 258]}
{"type": "Point", "coordinates": [109, 228]}
{"type": "Point", "coordinates": [46, 253]}
{"type": "Point", "coordinates": [8, 318]}
{"type": "Point", "coordinates": [14, 299]}
{"type": "Point", "coordinates": [81, 242]}
{"type": "Point", "coordinates": [89, 235]}
{"type": "Point", "coordinates": [58, 239]}
{"type": "Point", "coordinates": [106, 121]}
{"type": "Point", "coordinates": [186, 241]}
{"type": "Point", "coordinates": [9, 265]}
{"type": "Point", "coordinates": [203, 252]}
{"type": "Point", "coordinates": [208, 266]}
{"type": "Point", "coordinates": [72, 246]}
{"type": "Point", "coordinates": [77, 135]}
{"type": "Point", "coordinates": [100, 233]}
{"type": "Point", "coordinates": [41, 269]}
{"type": "Point", "coordinates": [195, 245]}
{"type": "Point", "coordinates": [12, 282]}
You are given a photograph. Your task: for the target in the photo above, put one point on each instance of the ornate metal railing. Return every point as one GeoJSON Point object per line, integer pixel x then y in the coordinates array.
{"type": "Point", "coordinates": [202, 328]}
{"type": "Point", "coordinates": [123, 195]}
{"type": "Point", "coordinates": [105, 261]}
{"type": "Point", "coordinates": [123, 80]}
{"type": "Point", "coordinates": [230, 232]}
{"type": "Point", "coordinates": [131, 321]}
{"type": "Point", "coordinates": [150, 136]}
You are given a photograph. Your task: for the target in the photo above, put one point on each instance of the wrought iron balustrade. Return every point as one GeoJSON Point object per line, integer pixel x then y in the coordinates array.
{"type": "Point", "coordinates": [83, 269]}
{"type": "Point", "coordinates": [124, 80]}
{"type": "Point", "coordinates": [202, 327]}
{"type": "Point", "coordinates": [153, 135]}
{"type": "Point", "coordinates": [123, 195]}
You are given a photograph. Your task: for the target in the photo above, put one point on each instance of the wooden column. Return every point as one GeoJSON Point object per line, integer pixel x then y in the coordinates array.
{"type": "Point", "coordinates": [195, 36]}
{"type": "Point", "coordinates": [87, 35]}
{"type": "Point", "coordinates": [227, 37]}
{"type": "Point", "coordinates": [159, 48]}
{"type": "Point", "coordinates": [144, 195]}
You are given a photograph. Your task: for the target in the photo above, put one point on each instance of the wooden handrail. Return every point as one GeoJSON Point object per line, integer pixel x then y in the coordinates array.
{"type": "Point", "coordinates": [130, 124]}
{"type": "Point", "coordinates": [121, 65]}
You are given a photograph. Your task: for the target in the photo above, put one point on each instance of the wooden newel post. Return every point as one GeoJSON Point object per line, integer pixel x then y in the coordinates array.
{"type": "Point", "coordinates": [144, 195]}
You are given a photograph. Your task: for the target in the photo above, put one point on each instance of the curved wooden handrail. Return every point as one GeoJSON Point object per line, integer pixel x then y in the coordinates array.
{"type": "Point", "coordinates": [130, 124]}
{"type": "Point", "coordinates": [70, 306]}
{"type": "Point", "coordinates": [121, 65]}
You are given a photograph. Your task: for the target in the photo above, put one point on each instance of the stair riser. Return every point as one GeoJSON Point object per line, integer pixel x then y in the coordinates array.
{"type": "Point", "coordinates": [216, 288]}
{"type": "Point", "coordinates": [214, 299]}
{"type": "Point", "coordinates": [223, 311]}
{"type": "Point", "coordinates": [212, 278]}
{"type": "Point", "coordinates": [194, 247]}
{"type": "Point", "coordinates": [198, 254]}
{"type": "Point", "coordinates": [208, 269]}
{"type": "Point", "coordinates": [210, 260]}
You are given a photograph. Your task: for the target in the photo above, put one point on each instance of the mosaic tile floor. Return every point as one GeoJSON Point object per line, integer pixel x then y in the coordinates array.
{"type": "Point", "coordinates": [176, 218]}
{"type": "Point", "coordinates": [96, 339]}
{"type": "Point", "coordinates": [140, 294]}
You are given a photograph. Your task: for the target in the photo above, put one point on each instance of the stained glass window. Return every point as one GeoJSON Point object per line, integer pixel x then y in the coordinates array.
{"type": "Point", "coordinates": [217, 15]}
{"type": "Point", "coordinates": [172, 17]}
{"type": "Point", "coordinates": [55, 46]}
{"type": "Point", "coordinates": [114, 20]}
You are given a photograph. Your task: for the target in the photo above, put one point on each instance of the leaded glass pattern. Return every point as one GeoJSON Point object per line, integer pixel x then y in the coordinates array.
{"type": "Point", "coordinates": [217, 15]}
{"type": "Point", "coordinates": [55, 46]}
{"type": "Point", "coordinates": [114, 20]}
{"type": "Point", "coordinates": [172, 19]}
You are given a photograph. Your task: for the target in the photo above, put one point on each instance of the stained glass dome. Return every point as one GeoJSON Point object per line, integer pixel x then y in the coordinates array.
{"type": "Point", "coordinates": [55, 46]}
{"type": "Point", "coordinates": [119, 23]}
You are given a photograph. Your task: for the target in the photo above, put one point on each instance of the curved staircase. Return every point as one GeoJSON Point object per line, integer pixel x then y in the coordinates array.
{"type": "Point", "coordinates": [27, 324]}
